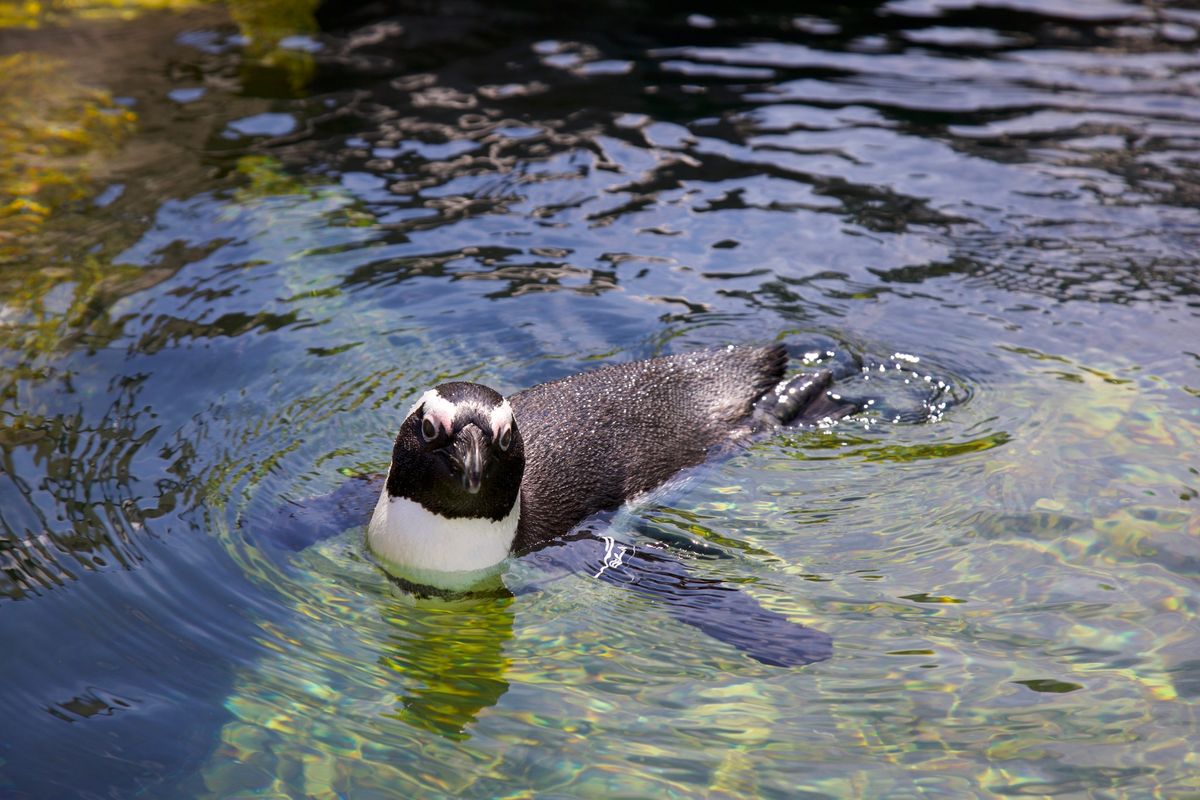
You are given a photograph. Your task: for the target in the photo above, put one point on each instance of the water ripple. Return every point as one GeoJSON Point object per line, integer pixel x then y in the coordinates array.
{"type": "Point", "coordinates": [981, 215]}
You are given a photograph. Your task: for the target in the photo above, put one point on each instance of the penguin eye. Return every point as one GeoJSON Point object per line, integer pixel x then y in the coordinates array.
{"type": "Point", "coordinates": [429, 429]}
{"type": "Point", "coordinates": [504, 439]}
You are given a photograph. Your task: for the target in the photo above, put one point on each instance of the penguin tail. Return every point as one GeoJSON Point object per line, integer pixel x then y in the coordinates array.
{"type": "Point", "coordinates": [803, 399]}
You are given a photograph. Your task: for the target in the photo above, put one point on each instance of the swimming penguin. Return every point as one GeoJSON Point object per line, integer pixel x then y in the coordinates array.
{"type": "Point", "coordinates": [476, 477]}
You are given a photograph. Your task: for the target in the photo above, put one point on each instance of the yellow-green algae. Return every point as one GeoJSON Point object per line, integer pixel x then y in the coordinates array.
{"type": "Point", "coordinates": [53, 133]}
{"type": "Point", "coordinates": [57, 126]}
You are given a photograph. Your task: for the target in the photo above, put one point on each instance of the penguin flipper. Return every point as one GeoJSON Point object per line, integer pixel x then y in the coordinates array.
{"type": "Point", "coordinates": [718, 609]}
{"type": "Point", "coordinates": [297, 524]}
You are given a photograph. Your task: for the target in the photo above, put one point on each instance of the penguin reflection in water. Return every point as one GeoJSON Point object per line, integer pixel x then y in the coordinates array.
{"type": "Point", "coordinates": [476, 477]}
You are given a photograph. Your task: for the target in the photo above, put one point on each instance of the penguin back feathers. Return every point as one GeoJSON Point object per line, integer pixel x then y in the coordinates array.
{"type": "Point", "coordinates": [596, 439]}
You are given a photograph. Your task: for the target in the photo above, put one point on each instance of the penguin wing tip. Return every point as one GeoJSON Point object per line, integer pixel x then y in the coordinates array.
{"type": "Point", "coordinates": [810, 647]}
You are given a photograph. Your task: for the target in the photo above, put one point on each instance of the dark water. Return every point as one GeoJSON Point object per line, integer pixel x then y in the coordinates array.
{"type": "Point", "coordinates": [289, 225]}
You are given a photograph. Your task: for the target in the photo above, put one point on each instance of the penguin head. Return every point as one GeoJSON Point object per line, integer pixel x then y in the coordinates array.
{"type": "Point", "coordinates": [459, 454]}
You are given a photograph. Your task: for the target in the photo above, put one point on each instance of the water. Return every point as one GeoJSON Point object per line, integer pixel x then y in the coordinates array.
{"type": "Point", "coordinates": [238, 241]}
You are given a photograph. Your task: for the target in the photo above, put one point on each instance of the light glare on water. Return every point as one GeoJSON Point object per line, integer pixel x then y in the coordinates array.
{"type": "Point", "coordinates": [238, 242]}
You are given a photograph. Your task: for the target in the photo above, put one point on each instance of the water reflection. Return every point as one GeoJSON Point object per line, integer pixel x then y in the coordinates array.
{"type": "Point", "coordinates": [241, 239]}
{"type": "Point", "coordinates": [451, 656]}
{"type": "Point", "coordinates": [94, 507]}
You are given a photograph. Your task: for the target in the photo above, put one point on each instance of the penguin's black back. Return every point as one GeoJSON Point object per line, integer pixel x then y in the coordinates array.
{"type": "Point", "coordinates": [596, 439]}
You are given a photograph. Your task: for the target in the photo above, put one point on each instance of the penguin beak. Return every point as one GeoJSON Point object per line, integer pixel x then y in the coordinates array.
{"type": "Point", "coordinates": [470, 454]}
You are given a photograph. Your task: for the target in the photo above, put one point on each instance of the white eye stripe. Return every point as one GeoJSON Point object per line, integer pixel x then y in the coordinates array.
{"type": "Point", "coordinates": [442, 412]}
{"type": "Point", "coordinates": [437, 408]}
{"type": "Point", "coordinates": [501, 419]}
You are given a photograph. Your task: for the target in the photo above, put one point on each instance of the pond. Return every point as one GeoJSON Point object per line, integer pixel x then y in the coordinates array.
{"type": "Point", "coordinates": [239, 240]}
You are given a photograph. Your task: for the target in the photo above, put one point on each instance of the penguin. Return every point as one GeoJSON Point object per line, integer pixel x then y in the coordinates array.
{"type": "Point", "coordinates": [476, 477]}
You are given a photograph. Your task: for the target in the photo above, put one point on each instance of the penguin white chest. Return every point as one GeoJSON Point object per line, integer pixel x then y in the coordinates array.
{"type": "Point", "coordinates": [417, 543]}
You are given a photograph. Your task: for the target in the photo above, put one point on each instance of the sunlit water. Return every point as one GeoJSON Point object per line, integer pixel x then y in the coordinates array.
{"type": "Point", "coordinates": [305, 229]}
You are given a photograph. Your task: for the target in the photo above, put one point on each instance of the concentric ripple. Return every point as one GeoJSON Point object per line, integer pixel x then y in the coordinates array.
{"type": "Point", "coordinates": [237, 241]}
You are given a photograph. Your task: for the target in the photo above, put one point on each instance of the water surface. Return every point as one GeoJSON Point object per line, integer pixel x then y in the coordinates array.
{"type": "Point", "coordinates": [238, 242]}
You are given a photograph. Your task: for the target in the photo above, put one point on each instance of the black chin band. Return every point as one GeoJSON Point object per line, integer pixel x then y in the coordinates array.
{"type": "Point", "coordinates": [426, 592]}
